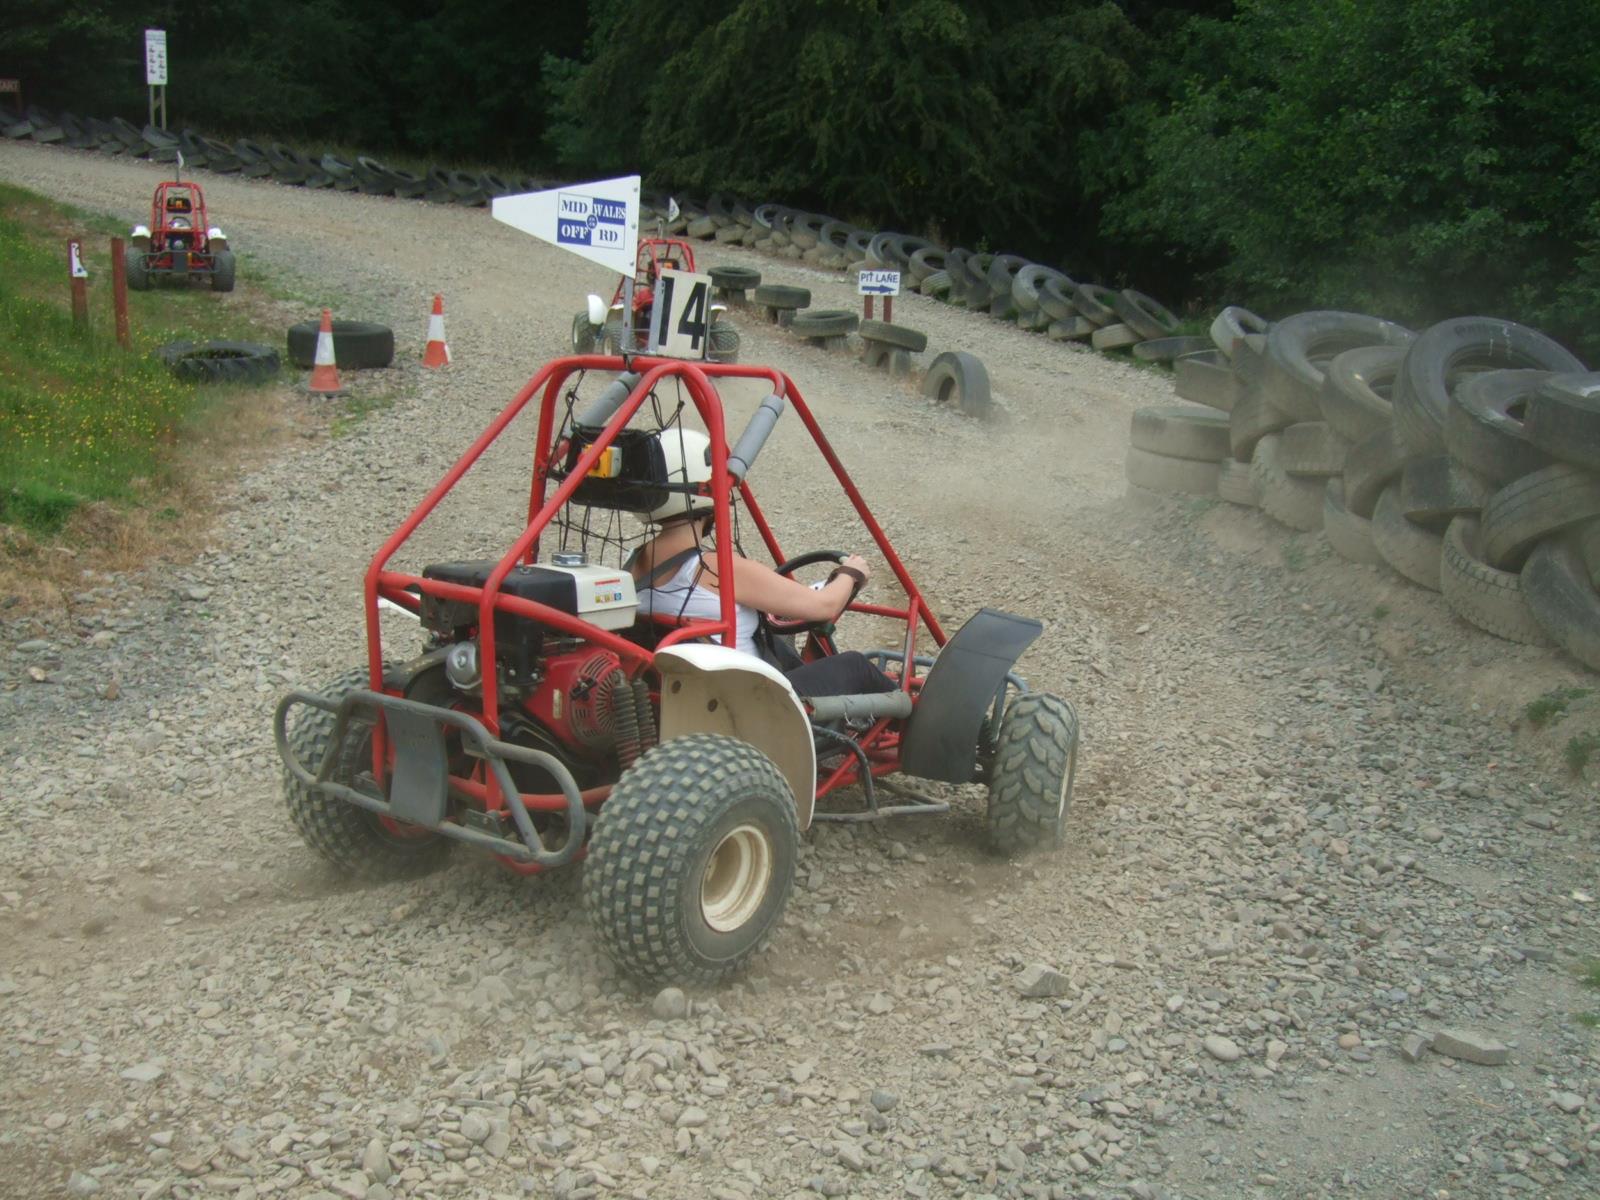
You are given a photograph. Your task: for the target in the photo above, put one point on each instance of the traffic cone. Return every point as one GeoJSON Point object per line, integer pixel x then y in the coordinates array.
{"type": "Point", "coordinates": [438, 352]}
{"type": "Point", "coordinates": [324, 370]}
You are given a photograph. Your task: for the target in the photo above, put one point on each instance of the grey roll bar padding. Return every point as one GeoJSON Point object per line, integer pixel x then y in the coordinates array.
{"type": "Point", "coordinates": [598, 411]}
{"type": "Point", "coordinates": [755, 436]}
{"type": "Point", "coordinates": [868, 706]}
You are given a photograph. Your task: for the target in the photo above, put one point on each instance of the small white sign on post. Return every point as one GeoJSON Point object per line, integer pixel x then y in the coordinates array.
{"type": "Point", "coordinates": [155, 57]}
{"type": "Point", "coordinates": [680, 315]}
{"type": "Point", "coordinates": [75, 260]}
{"type": "Point", "coordinates": [878, 283]}
{"type": "Point", "coordinates": [598, 221]}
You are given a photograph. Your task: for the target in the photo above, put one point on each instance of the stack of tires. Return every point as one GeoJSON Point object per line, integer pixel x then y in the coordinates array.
{"type": "Point", "coordinates": [1465, 458]}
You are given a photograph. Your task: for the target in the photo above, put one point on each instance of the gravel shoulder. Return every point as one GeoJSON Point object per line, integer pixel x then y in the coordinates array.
{"type": "Point", "coordinates": [1305, 831]}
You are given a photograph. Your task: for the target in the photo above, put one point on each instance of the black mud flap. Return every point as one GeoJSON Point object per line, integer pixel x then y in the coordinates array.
{"type": "Point", "coordinates": [941, 738]}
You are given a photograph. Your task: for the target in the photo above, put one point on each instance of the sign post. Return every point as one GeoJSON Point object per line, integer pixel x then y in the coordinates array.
{"type": "Point", "coordinates": [878, 283]}
{"type": "Point", "coordinates": [13, 88]}
{"type": "Point", "coordinates": [80, 284]}
{"type": "Point", "coordinates": [598, 221]}
{"type": "Point", "coordinates": [155, 72]}
{"type": "Point", "coordinates": [119, 291]}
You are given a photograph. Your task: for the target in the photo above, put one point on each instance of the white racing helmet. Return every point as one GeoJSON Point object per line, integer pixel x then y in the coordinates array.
{"type": "Point", "coordinates": [686, 454]}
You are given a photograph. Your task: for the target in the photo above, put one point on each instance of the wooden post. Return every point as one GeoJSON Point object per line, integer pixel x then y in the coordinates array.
{"type": "Point", "coordinates": [119, 291]}
{"type": "Point", "coordinates": [888, 310]}
{"type": "Point", "coordinates": [80, 284]}
{"type": "Point", "coordinates": [866, 308]}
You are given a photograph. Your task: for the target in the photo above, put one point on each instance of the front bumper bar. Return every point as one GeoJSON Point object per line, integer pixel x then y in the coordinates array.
{"type": "Point", "coordinates": [419, 788]}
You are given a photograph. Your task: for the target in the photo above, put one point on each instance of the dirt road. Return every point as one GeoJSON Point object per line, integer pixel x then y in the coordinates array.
{"type": "Point", "coordinates": [1304, 830]}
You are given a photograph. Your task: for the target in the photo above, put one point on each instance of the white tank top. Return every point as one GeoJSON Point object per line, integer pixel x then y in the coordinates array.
{"type": "Point", "coordinates": [682, 598]}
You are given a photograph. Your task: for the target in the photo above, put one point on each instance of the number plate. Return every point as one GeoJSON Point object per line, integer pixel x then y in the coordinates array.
{"type": "Point", "coordinates": [680, 315]}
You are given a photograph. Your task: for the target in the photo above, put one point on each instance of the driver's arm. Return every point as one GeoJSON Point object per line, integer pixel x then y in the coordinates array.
{"type": "Point", "coordinates": [761, 587]}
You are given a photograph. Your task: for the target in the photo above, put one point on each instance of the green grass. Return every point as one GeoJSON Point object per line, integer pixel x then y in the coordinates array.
{"type": "Point", "coordinates": [1580, 750]}
{"type": "Point", "coordinates": [81, 418]}
{"type": "Point", "coordinates": [1552, 706]}
{"type": "Point", "coordinates": [1589, 976]}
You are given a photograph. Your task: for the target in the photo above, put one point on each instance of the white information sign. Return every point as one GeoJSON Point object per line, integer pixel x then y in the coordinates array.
{"type": "Point", "coordinates": [598, 221]}
{"type": "Point", "coordinates": [878, 283]}
{"type": "Point", "coordinates": [680, 315]}
{"type": "Point", "coordinates": [75, 260]}
{"type": "Point", "coordinates": [155, 57]}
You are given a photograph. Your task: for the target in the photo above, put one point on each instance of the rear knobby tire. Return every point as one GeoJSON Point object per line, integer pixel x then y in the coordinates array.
{"type": "Point", "coordinates": [692, 860]}
{"type": "Point", "coordinates": [223, 268]}
{"type": "Point", "coordinates": [1030, 786]}
{"type": "Point", "coordinates": [137, 269]}
{"type": "Point", "coordinates": [346, 835]}
{"type": "Point", "coordinates": [583, 334]}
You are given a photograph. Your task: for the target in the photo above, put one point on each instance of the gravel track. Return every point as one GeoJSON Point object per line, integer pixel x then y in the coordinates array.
{"type": "Point", "coordinates": [1305, 829]}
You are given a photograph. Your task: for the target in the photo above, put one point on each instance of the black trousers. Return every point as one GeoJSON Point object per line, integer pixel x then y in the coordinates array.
{"type": "Point", "coordinates": [848, 673]}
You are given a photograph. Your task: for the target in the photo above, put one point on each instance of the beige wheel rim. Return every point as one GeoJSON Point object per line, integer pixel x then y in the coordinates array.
{"type": "Point", "coordinates": [736, 879]}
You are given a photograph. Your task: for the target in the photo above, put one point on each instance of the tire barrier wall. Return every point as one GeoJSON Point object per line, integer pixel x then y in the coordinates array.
{"type": "Point", "coordinates": [1465, 458]}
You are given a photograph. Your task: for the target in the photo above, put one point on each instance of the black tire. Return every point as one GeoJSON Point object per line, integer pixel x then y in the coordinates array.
{"type": "Point", "coordinates": [1562, 600]}
{"type": "Point", "coordinates": [1096, 303]}
{"type": "Point", "coordinates": [1166, 349]}
{"type": "Point", "coordinates": [1349, 535]}
{"type": "Point", "coordinates": [824, 323]}
{"type": "Point", "coordinates": [1536, 507]}
{"type": "Point", "coordinates": [253, 160]}
{"type": "Point", "coordinates": [1250, 420]}
{"type": "Point", "coordinates": [1072, 329]}
{"type": "Point", "coordinates": [1563, 419]}
{"type": "Point", "coordinates": [1181, 431]}
{"type": "Point", "coordinates": [913, 340]}
{"type": "Point", "coordinates": [735, 278]}
{"type": "Point", "coordinates": [1356, 385]}
{"type": "Point", "coordinates": [1480, 595]}
{"type": "Point", "coordinates": [1146, 316]}
{"type": "Point", "coordinates": [1311, 449]}
{"type": "Point", "coordinates": [960, 378]}
{"type": "Point", "coordinates": [1444, 352]}
{"type": "Point", "coordinates": [1025, 285]}
{"type": "Point", "coordinates": [924, 262]}
{"type": "Point", "coordinates": [1030, 782]}
{"type": "Point", "coordinates": [1299, 346]}
{"type": "Point", "coordinates": [1163, 473]}
{"type": "Point", "coordinates": [372, 177]}
{"type": "Point", "coordinates": [1236, 484]}
{"type": "Point", "coordinates": [724, 342]}
{"type": "Point", "coordinates": [1113, 337]}
{"type": "Point", "coordinates": [288, 165]}
{"type": "Point", "coordinates": [223, 268]}
{"type": "Point", "coordinates": [136, 268]}
{"type": "Point", "coordinates": [935, 285]}
{"type": "Point", "coordinates": [1484, 429]}
{"type": "Point", "coordinates": [219, 361]}
{"type": "Point", "coordinates": [1055, 298]}
{"type": "Point", "coordinates": [1414, 552]}
{"type": "Point", "coordinates": [1294, 502]}
{"type": "Point", "coordinates": [655, 882]}
{"type": "Point", "coordinates": [1206, 377]}
{"type": "Point", "coordinates": [778, 295]}
{"type": "Point", "coordinates": [220, 156]}
{"type": "Point", "coordinates": [1436, 488]}
{"type": "Point", "coordinates": [357, 345]}
{"type": "Point", "coordinates": [1369, 467]}
{"type": "Point", "coordinates": [1232, 324]}
{"type": "Point", "coordinates": [583, 334]}
{"type": "Point", "coordinates": [346, 835]}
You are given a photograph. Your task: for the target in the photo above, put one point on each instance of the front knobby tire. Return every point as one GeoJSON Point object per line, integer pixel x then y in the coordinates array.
{"type": "Point", "coordinates": [349, 837]}
{"type": "Point", "coordinates": [1030, 787]}
{"type": "Point", "coordinates": [692, 860]}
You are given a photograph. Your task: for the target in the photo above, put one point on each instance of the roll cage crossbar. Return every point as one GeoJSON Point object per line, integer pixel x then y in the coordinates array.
{"type": "Point", "coordinates": [405, 589]}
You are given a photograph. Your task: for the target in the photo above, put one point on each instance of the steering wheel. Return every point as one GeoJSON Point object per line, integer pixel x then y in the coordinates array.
{"type": "Point", "coordinates": [821, 630]}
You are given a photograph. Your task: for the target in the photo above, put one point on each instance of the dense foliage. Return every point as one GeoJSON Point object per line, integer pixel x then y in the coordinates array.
{"type": "Point", "coordinates": [1408, 159]}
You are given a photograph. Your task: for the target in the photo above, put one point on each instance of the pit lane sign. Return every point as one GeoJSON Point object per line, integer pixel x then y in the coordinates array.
{"type": "Point", "coordinates": [878, 283]}
{"type": "Point", "coordinates": [598, 221]}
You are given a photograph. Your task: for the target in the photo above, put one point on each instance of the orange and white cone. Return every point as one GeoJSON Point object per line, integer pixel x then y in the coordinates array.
{"type": "Point", "coordinates": [438, 352]}
{"type": "Point", "coordinates": [324, 370]}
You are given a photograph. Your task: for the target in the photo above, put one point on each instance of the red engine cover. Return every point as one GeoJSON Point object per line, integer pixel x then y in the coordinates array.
{"type": "Point", "coordinates": [574, 700]}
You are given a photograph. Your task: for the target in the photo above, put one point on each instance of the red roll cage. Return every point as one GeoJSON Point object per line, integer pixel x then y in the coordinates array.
{"type": "Point", "coordinates": [880, 744]}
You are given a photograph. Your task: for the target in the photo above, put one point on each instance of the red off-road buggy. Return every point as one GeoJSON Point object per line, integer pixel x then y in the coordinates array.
{"type": "Point", "coordinates": [603, 326]}
{"type": "Point", "coordinates": [544, 719]}
{"type": "Point", "coordinates": [180, 243]}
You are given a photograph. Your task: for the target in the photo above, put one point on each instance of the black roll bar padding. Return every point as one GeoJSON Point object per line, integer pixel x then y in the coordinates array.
{"type": "Point", "coordinates": [755, 436]}
{"type": "Point", "coordinates": [493, 752]}
{"type": "Point", "coordinates": [599, 410]}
